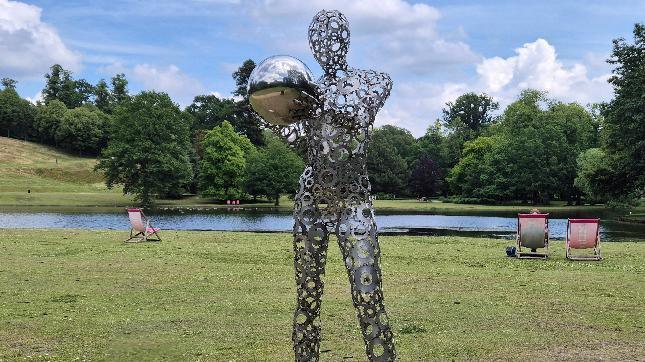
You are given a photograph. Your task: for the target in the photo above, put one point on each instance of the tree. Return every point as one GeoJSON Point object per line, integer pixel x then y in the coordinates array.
{"type": "Point", "coordinates": [16, 114]}
{"type": "Point", "coordinates": [48, 117]}
{"type": "Point", "coordinates": [245, 120]}
{"type": "Point", "coordinates": [528, 157]}
{"type": "Point", "coordinates": [119, 88]}
{"type": "Point", "coordinates": [426, 176]}
{"type": "Point", "coordinates": [471, 111]}
{"type": "Point", "coordinates": [401, 139]}
{"type": "Point", "coordinates": [577, 126]}
{"type": "Point", "coordinates": [392, 150]}
{"type": "Point", "coordinates": [81, 129]}
{"type": "Point", "coordinates": [148, 149]}
{"type": "Point", "coordinates": [472, 176]}
{"type": "Point", "coordinates": [530, 161]}
{"type": "Point", "coordinates": [8, 83]}
{"type": "Point", "coordinates": [102, 97]}
{"type": "Point", "coordinates": [594, 175]}
{"type": "Point", "coordinates": [62, 86]}
{"type": "Point", "coordinates": [388, 170]}
{"type": "Point", "coordinates": [54, 82]}
{"type": "Point", "coordinates": [241, 77]}
{"type": "Point", "coordinates": [465, 119]}
{"type": "Point", "coordinates": [433, 145]}
{"type": "Point", "coordinates": [222, 167]}
{"type": "Point", "coordinates": [624, 119]}
{"type": "Point", "coordinates": [273, 170]}
{"type": "Point", "coordinates": [208, 111]}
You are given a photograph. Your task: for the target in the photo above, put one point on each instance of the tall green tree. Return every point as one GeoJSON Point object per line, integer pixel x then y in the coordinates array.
{"type": "Point", "coordinates": [48, 118]}
{"type": "Point", "coordinates": [209, 111]}
{"type": "Point", "coordinates": [580, 133]}
{"type": "Point", "coordinates": [62, 86]}
{"type": "Point", "coordinates": [223, 163]}
{"type": "Point", "coordinates": [474, 175]}
{"type": "Point", "coordinates": [54, 83]}
{"type": "Point", "coordinates": [245, 120]}
{"type": "Point", "coordinates": [16, 114]}
{"type": "Point", "coordinates": [624, 119]}
{"type": "Point", "coordinates": [241, 77]}
{"type": "Point", "coordinates": [273, 170]}
{"type": "Point", "coordinates": [102, 96]}
{"type": "Point", "coordinates": [81, 130]}
{"type": "Point", "coordinates": [434, 145]}
{"type": "Point", "coordinates": [594, 175]}
{"type": "Point", "coordinates": [387, 168]}
{"type": "Point", "coordinates": [148, 149]}
{"type": "Point", "coordinates": [426, 176]}
{"type": "Point", "coordinates": [528, 158]}
{"type": "Point", "coordinates": [465, 119]}
{"type": "Point", "coordinates": [392, 151]}
{"type": "Point", "coordinates": [120, 88]}
{"type": "Point", "coordinates": [8, 83]}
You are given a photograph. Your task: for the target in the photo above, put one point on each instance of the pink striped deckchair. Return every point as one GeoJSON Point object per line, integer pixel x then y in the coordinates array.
{"type": "Point", "coordinates": [532, 233]}
{"type": "Point", "coordinates": [583, 234]}
{"type": "Point", "coordinates": [141, 229]}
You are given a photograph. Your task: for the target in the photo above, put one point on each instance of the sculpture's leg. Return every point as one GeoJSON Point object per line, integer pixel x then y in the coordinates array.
{"type": "Point", "coordinates": [358, 243]}
{"type": "Point", "coordinates": [310, 248]}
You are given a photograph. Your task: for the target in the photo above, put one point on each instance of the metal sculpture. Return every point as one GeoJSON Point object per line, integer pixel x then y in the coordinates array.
{"type": "Point", "coordinates": [334, 194]}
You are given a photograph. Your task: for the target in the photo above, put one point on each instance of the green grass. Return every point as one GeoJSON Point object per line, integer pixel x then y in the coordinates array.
{"type": "Point", "coordinates": [70, 294]}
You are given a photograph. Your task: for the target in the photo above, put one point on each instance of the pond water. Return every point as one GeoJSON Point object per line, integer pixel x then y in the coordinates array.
{"type": "Point", "coordinates": [495, 226]}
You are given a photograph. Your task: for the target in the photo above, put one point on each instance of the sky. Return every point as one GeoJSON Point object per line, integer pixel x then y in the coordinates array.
{"type": "Point", "coordinates": [433, 50]}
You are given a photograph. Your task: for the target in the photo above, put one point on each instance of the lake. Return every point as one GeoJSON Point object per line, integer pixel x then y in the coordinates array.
{"type": "Point", "coordinates": [244, 220]}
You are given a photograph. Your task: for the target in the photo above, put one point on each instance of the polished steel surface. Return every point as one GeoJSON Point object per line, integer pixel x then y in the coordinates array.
{"type": "Point", "coordinates": [276, 87]}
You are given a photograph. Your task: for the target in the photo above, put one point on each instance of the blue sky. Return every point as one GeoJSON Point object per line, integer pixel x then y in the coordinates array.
{"type": "Point", "coordinates": [434, 50]}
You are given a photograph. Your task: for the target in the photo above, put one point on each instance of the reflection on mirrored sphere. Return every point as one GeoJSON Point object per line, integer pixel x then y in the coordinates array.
{"type": "Point", "coordinates": [276, 85]}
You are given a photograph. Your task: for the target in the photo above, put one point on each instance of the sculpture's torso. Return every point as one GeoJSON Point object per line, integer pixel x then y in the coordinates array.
{"type": "Point", "coordinates": [337, 140]}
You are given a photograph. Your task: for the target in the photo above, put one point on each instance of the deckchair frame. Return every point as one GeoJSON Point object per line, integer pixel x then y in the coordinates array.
{"type": "Point", "coordinates": [138, 235]}
{"type": "Point", "coordinates": [532, 255]}
{"type": "Point", "coordinates": [596, 248]}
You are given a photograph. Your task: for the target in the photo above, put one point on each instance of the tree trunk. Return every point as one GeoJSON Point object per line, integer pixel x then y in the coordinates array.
{"type": "Point", "coordinates": [277, 200]}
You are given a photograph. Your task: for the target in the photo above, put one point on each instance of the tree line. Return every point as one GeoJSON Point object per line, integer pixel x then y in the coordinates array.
{"type": "Point", "coordinates": [535, 150]}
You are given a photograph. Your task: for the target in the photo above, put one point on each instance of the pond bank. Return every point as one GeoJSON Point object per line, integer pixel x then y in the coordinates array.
{"type": "Point", "coordinates": [238, 219]}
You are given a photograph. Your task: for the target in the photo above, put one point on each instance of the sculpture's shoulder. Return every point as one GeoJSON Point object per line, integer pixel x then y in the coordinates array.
{"type": "Point", "coordinates": [372, 77]}
{"type": "Point", "coordinates": [376, 85]}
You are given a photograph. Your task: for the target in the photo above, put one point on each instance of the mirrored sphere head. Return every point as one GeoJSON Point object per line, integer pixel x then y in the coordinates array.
{"type": "Point", "coordinates": [274, 86]}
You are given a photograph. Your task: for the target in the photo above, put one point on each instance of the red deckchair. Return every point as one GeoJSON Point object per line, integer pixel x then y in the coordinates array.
{"type": "Point", "coordinates": [583, 234]}
{"type": "Point", "coordinates": [141, 229]}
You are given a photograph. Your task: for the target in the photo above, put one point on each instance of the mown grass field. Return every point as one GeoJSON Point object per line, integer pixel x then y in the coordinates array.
{"type": "Point", "coordinates": [216, 296]}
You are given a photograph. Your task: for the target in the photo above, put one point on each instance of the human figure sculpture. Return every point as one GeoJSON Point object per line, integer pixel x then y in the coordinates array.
{"type": "Point", "coordinates": [334, 194]}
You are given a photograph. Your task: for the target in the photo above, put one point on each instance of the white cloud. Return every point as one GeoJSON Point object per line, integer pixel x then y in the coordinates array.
{"type": "Point", "coordinates": [402, 35]}
{"type": "Point", "coordinates": [416, 104]}
{"type": "Point", "coordinates": [537, 66]}
{"type": "Point", "coordinates": [28, 46]}
{"type": "Point", "coordinates": [38, 97]}
{"type": "Point", "coordinates": [170, 79]}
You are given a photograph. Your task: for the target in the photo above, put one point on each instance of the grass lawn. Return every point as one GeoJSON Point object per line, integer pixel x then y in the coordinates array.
{"type": "Point", "coordinates": [70, 294]}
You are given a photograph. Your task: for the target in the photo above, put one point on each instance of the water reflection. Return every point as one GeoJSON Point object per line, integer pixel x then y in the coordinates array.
{"type": "Point", "coordinates": [255, 221]}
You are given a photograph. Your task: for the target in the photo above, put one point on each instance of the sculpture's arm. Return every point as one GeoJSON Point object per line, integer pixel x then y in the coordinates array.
{"type": "Point", "coordinates": [354, 103]}
{"type": "Point", "coordinates": [295, 132]}
{"type": "Point", "coordinates": [379, 88]}
{"type": "Point", "coordinates": [291, 134]}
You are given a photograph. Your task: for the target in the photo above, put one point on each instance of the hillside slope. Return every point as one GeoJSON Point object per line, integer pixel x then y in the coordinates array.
{"type": "Point", "coordinates": [34, 174]}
